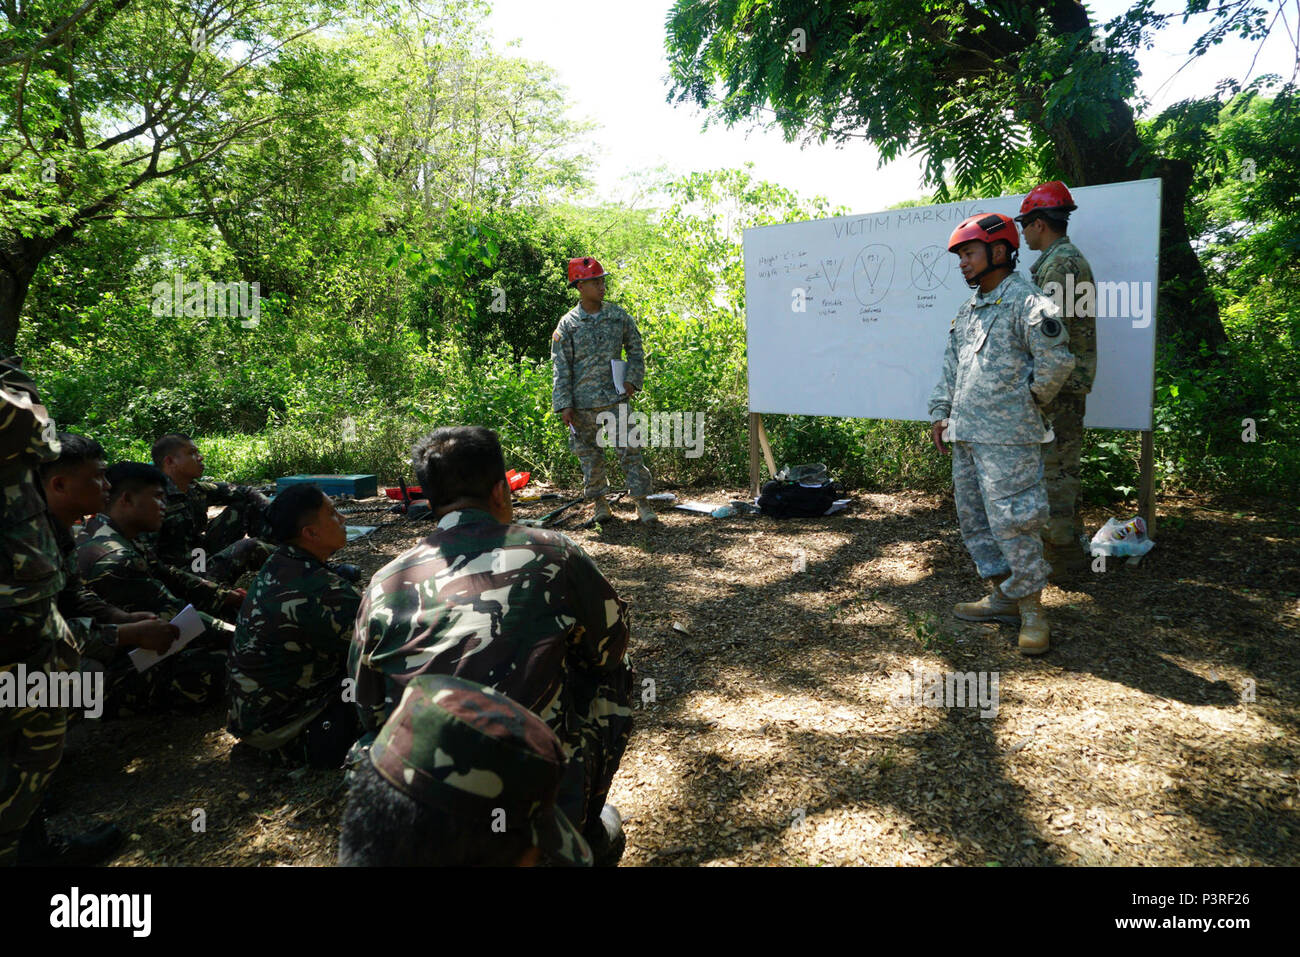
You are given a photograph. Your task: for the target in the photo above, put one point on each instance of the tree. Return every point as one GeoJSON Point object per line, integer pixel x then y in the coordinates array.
{"type": "Point", "coordinates": [111, 97]}
{"type": "Point", "coordinates": [984, 91]}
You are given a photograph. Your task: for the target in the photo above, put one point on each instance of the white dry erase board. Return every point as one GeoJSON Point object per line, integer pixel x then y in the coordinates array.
{"type": "Point", "coordinates": [880, 290]}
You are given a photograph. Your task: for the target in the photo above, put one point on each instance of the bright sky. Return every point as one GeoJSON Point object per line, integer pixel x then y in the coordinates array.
{"type": "Point", "coordinates": [611, 58]}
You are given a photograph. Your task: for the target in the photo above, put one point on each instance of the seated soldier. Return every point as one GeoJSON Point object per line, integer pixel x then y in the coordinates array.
{"type": "Point", "coordinates": [522, 610]}
{"type": "Point", "coordinates": [460, 775]}
{"type": "Point", "coordinates": [225, 551]}
{"type": "Point", "coordinates": [76, 485]}
{"type": "Point", "coordinates": [289, 655]}
{"type": "Point", "coordinates": [119, 566]}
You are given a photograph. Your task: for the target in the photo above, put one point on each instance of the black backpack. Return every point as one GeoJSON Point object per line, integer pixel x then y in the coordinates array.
{"type": "Point", "coordinates": [792, 500]}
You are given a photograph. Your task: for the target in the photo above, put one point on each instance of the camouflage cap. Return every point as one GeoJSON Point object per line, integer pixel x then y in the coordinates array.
{"type": "Point", "coordinates": [469, 750]}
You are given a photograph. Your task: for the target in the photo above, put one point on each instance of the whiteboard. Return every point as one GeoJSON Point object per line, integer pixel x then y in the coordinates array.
{"type": "Point", "coordinates": [880, 290]}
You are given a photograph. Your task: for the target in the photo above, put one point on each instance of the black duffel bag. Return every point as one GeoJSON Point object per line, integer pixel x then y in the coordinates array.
{"type": "Point", "coordinates": [792, 500]}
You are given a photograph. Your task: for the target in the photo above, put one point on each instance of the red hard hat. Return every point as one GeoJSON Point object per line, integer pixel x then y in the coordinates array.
{"type": "Point", "coordinates": [987, 228]}
{"type": "Point", "coordinates": [584, 267]}
{"type": "Point", "coordinates": [1047, 196]}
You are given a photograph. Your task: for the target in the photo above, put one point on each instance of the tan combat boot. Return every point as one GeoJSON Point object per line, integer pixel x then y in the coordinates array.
{"type": "Point", "coordinates": [601, 512]}
{"type": "Point", "coordinates": [1033, 625]}
{"type": "Point", "coordinates": [994, 606]}
{"type": "Point", "coordinates": [645, 512]}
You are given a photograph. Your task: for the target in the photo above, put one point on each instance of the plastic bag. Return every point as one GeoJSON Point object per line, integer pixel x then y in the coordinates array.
{"type": "Point", "coordinates": [1119, 539]}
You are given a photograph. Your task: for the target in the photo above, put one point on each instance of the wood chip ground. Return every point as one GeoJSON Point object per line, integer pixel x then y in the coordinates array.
{"type": "Point", "coordinates": [1161, 728]}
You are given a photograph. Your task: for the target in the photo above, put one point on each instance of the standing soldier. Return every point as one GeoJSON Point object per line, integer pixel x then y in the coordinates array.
{"type": "Point", "coordinates": [31, 628]}
{"type": "Point", "coordinates": [1043, 218]}
{"type": "Point", "coordinates": [1007, 356]}
{"type": "Point", "coordinates": [588, 338]}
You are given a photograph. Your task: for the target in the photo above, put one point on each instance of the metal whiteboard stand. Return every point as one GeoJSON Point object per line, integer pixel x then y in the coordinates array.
{"type": "Point", "coordinates": [757, 439]}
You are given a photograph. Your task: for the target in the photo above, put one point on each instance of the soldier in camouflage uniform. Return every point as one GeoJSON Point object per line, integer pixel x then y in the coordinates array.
{"type": "Point", "coordinates": [459, 775]}
{"type": "Point", "coordinates": [1007, 356]}
{"type": "Point", "coordinates": [119, 566]}
{"type": "Point", "coordinates": [31, 628]}
{"type": "Point", "coordinates": [522, 610]}
{"type": "Point", "coordinates": [588, 337]}
{"type": "Point", "coordinates": [289, 656]}
{"type": "Point", "coordinates": [1062, 273]}
{"type": "Point", "coordinates": [76, 485]}
{"type": "Point", "coordinates": [226, 552]}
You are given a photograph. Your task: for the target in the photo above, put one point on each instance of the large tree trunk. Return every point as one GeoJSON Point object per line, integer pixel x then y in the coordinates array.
{"type": "Point", "coordinates": [19, 259]}
{"type": "Point", "coordinates": [1187, 312]}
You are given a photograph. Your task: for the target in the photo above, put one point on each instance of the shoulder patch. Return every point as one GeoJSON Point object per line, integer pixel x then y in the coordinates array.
{"type": "Point", "coordinates": [555, 336]}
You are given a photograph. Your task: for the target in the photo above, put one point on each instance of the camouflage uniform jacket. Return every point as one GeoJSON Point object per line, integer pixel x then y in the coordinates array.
{"type": "Point", "coordinates": [186, 518]}
{"type": "Point", "coordinates": [88, 615]}
{"type": "Point", "coordinates": [31, 569]}
{"type": "Point", "coordinates": [129, 574]}
{"type": "Point", "coordinates": [1058, 260]}
{"type": "Point", "coordinates": [1007, 355]}
{"type": "Point", "coordinates": [521, 610]}
{"type": "Point", "coordinates": [290, 648]}
{"type": "Point", "coordinates": [581, 349]}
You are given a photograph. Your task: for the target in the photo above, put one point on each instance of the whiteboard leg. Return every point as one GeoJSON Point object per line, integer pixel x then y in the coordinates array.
{"type": "Point", "coordinates": [1146, 484]}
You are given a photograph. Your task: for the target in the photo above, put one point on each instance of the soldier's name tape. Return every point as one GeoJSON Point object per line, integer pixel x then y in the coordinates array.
{"type": "Point", "coordinates": [74, 690]}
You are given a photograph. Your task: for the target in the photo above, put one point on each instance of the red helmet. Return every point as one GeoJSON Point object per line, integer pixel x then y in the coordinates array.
{"type": "Point", "coordinates": [1047, 197]}
{"type": "Point", "coordinates": [987, 228]}
{"type": "Point", "coordinates": [584, 267]}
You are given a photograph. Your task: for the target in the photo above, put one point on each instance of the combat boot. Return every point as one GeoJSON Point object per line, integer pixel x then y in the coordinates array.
{"type": "Point", "coordinates": [645, 512]}
{"type": "Point", "coordinates": [38, 848]}
{"type": "Point", "coordinates": [605, 837]}
{"type": "Point", "coordinates": [601, 513]}
{"type": "Point", "coordinates": [994, 606]}
{"type": "Point", "coordinates": [1033, 625]}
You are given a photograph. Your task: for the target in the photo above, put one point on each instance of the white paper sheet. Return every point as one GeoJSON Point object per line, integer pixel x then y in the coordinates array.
{"type": "Point", "coordinates": [191, 626]}
{"type": "Point", "coordinates": [618, 368]}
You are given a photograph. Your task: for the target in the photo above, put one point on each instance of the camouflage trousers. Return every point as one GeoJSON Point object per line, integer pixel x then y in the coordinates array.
{"type": "Point", "coordinates": [600, 725]}
{"type": "Point", "coordinates": [1061, 466]}
{"type": "Point", "coordinates": [31, 746]}
{"type": "Point", "coordinates": [583, 441]}
{"type": "Point", "coordinates": [1002, 505]}
{"type": "Point", "coordinates": [189, 680]}
{"type": "Point", "coordinates": [231, 554]}
{"type": "Point", "coordinates": [324, 743]}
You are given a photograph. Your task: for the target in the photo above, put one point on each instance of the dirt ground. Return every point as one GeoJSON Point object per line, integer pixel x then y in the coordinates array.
{"type": "Point", "coordinates": [776, 723]}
